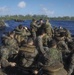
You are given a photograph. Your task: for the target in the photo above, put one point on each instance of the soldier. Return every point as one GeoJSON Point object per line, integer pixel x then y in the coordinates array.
{"type": "Point", "coordinates": [41, 44]}
{"type": "Point", "coordinates": [68, 35]}
{"type": "Point", "coordinates": [71, 66]}
{"type": "Point", "coordinates": [41, 22]}
{"type": "Point", "coordinates": [25, 35]}
{"type": "Point", "coordinates": [28, 53]}
{"type": "Point", "coordinates": [54, 55]}
{"type": "Point", "coordinates": [62, 45]}
{"type": "Point", "coordinates": [48, 28]}
{"type": "Point", "coordinates": [71, 60]}
{"type": "Point", "coordinates": [42, 26]}
{"type": "Point", "coordinates": [11, 43]}
{"type": "Point", "coordinates": [21, 33]}
{"type": "Point", "coordinates": [53, 64]}
{"type": "Point", "coordinates": [45, 40]}
{"type": "Point", "coordinates": [60, 38]}
{"type": "Point", "coordinates": [4, 58]}
{"type": "Point", "coordinates": [5, 63]}
{"type": "Point", "coordinates": [34, 26]}
{"type": "Point", "coordinates": [8, 51]}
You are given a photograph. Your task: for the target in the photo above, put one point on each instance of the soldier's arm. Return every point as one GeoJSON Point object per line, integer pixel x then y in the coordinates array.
{"type": "Point", "coordinates": [4, 57]}
{"type": "Point", "coordinates": [4, 62]}
{"type": "Point", "coordinates": [28, 33]}
{"type": "Point", "coordinates": [36, 25]}
{"type": "Point", "coordinates": [60, 56]}
{"type": "Point", "coordinates": [19, 32]}
{"type": "Point", "coordinates": [40, 45]}
{"type": "Point", "coordinates": [17, 29]}
{"type": "Point", "coordinates": [25, 32]}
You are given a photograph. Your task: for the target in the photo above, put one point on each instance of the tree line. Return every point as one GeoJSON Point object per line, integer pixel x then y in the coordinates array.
{"type": "Point", "coordinates": [29, 17]}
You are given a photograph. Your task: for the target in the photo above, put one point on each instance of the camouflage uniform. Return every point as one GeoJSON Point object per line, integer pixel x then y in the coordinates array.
{"type": "Point", "coordinates": [53, 56]}
{"type": "Point", "coordinates": [53, 65]}
{"type": "Point", "coordinates": [12, 45]}
{"type": "Point", "coordinates": [68, 35]}
{"type": "Point", "coordinates": [34, 27]}
{"type": "Point", "coordinates": [62, 44]}
{"type": "Point", "coordinates": [45, 40]}
{"type": "Point", "coordinates": [41, 44]}
{"type": "Point", "coordinates": [18, 33]}
{"type": "Point", "coordinates": [5, 63]}
{"type": "Point", "coordinates": [28, 55]}
{"type": "Point", "coordinates": [4, 57]}
{"type": "Point", "coordinates": [22, 35]}
{"type": "Point", "coordinates": [71, 67]}
{"type": "Point", "coordinates": [48, 29]}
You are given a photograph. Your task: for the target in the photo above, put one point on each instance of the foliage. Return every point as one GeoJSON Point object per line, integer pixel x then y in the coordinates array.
{"type": "Point", "coordinates": [29, 17]}
{"type": "Point", "coordinates": [21, 17]}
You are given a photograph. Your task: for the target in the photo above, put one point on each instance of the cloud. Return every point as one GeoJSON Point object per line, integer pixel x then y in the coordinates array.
{"type": "Point", "coordinates": [22, 4]}
{"type": "Point", "coordinates": [3, 9]}
{"type": "Point", "coordinates": [47, 11]}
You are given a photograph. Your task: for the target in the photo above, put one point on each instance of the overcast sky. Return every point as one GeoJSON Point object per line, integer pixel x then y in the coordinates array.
{"type": "Point", "coordinates": [52, 8]}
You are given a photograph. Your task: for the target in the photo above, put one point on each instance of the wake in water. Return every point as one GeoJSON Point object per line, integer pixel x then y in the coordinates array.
{"type": "Point", "coordinates": [7, 25]}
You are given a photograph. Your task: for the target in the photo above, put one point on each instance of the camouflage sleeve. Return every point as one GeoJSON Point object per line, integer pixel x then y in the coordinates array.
{"type": "Point", "coordinates": [36, 25]}
{"type": "Point", "coordinates": [4, 57]}
{"type": "Point", "coordinates": [19, 33]}
{"type": "Point", "coordinates": [60, 56]}
{"type": "Point", "coordinates": [28, 33]}
{"type": "Point", "coordinates": [4, 62]}
{"type": "Point", "coordinates": [40, 45]}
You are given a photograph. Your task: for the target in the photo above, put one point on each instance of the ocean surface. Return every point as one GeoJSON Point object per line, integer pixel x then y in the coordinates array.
{"type": "Point", "coordinates": [11, 24]}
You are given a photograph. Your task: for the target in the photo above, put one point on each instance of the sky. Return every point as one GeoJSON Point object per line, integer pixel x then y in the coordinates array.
{"type": "Point", "coordinates": [51, 8]}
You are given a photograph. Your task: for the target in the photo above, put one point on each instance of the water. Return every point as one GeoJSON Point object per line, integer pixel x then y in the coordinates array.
{"type": "Point", "coordinates": [11, 24]}
{"type": "Point", "coordinates": [66, 24]}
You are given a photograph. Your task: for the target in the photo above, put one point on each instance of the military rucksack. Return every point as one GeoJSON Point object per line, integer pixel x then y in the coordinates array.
{"type": "Point", "coordinates": [56, 69]}
{"type": "Point", "coordinates": [30, 49]}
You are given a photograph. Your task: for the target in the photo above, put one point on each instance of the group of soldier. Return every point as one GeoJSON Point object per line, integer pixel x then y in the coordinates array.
{"type": "Point", "coordinates": [51, 47]}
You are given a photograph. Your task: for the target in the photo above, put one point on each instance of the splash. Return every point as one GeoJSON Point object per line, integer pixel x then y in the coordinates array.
{"type": "Point", "coordinates": [7, 25]}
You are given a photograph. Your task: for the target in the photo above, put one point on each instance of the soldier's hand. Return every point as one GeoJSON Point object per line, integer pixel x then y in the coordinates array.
{"type": "Point", "coordinates": [26, 28]}
{"type": "Point", "coordinates": [17, 52]}
{"type": "Point", "coordinates": [12, 64]}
